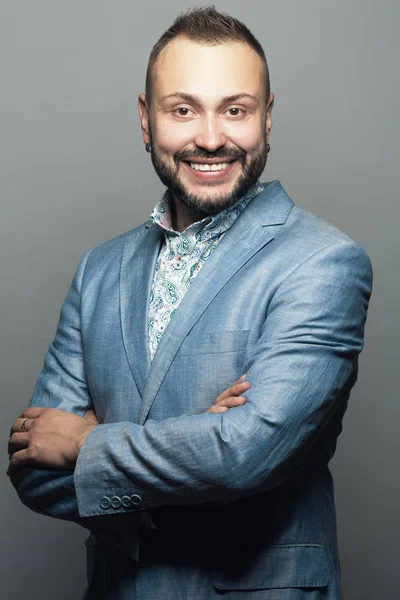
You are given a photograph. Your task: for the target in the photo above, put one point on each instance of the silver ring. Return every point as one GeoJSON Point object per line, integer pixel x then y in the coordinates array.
{"type": "Point", "coordinates": [23, 426]}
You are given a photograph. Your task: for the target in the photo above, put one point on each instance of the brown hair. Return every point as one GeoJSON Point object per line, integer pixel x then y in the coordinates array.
{"type": "Point", "coordinates": [208, 26]}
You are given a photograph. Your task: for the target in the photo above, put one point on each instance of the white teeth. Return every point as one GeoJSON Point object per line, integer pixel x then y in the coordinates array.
{"type": "Point", "coordinates": [214, 167]}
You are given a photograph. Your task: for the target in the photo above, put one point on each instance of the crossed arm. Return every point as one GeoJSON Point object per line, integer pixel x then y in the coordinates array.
{"type": "Point", "coordinates": [52, 438]}
{"type": "Point", "coordinates": [301, 369]}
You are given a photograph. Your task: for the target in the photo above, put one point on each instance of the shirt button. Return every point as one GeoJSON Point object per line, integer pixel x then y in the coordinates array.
{"type": "Point", "coordinates": [116, 502]}
{"type": "Point", "coordinates": [136, 500]}
{"type": "Point", "coordinates": [105, 503]}
{"type": "Point", "coordinates": [126, 502]}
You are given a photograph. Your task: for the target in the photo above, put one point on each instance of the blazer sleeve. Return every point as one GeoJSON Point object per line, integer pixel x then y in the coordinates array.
{"type": "Point", "coordinates": [301, 367]}
{"type": "Point", "coordinates": [61, 384]}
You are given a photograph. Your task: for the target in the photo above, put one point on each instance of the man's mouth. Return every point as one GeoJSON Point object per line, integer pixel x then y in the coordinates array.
{"type": "Point", "coordinates": [217, 166]}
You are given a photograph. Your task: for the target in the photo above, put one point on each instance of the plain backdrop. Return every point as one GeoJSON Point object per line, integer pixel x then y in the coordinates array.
{"type": "Point", "coordinates": [74, 173]}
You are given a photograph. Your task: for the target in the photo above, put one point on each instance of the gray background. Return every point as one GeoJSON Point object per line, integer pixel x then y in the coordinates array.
{"type": "Point", "coordinates": [74, 173]}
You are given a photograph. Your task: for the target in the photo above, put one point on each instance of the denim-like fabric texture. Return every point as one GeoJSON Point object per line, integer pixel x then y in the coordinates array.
{"type": "Point", "coordinates": [243, 500]}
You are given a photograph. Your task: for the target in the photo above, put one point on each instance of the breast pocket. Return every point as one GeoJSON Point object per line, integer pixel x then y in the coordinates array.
{"type": "Point", "coordinates": [205, 366]}
{"type": "Point", "coordinates": [215, 359]}
{"type": "Point", "coordinates": [215, 342]}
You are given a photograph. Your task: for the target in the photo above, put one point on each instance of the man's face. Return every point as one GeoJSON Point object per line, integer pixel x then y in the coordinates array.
{"type": "Point", "coordinates": [208, 122]}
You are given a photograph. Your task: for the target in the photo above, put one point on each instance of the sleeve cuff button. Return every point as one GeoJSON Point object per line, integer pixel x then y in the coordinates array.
{"type": "Point", "coordinates": [116, 502]}
{"type": "Point", "coordinates": [105, 503]}
{"type": "Point", "coordinates": [126, 502]}
{"type": "Point", "coordinates": [136, 500]}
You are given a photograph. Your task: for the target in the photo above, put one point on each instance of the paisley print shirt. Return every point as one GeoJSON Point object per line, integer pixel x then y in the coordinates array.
{"type": "Point", "coordinates": [182, 256]}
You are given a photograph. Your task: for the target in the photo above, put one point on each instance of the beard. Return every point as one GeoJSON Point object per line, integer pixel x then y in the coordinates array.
{"type": "Point", "coordinates": [210, 205]}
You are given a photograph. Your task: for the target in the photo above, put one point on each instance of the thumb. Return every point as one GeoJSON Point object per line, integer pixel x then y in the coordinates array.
{"type": "Point", "coordinates": [90, 415]}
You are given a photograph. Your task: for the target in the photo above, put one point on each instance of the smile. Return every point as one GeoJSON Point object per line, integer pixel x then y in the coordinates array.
{"type": "Point", "coordinates": [207, 167]}
{"type": "Point", "coordinates": [210, 171]}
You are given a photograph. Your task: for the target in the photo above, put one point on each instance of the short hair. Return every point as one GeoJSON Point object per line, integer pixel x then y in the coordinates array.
{"type": "Point", "coordinates": [209, 27]}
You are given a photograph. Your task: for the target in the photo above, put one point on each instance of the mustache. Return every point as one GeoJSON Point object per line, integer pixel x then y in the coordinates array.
{"type": "Point", "coordinates": [229, 153]}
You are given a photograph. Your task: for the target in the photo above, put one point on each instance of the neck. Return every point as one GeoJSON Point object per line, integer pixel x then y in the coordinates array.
{"type": "Point", "coordinates": [182, 216]}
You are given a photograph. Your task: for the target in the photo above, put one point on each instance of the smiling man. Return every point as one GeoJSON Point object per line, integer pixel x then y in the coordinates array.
{"type": "Point", "coordinates": [138, 428]}
{"type": "Point", "coordinates": [208, 148]}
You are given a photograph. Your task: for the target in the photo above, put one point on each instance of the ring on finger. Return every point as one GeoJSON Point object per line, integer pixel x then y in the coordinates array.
{"type": "Point", "coordinates": [23, 425]}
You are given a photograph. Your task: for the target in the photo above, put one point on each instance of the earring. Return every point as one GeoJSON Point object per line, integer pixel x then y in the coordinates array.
{"type": "Point", "coordinates": [148, 147]}
{"type": "Point", "coordinates": [268, 148]}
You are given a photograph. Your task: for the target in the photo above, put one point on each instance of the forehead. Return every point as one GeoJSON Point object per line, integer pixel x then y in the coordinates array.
{"type": "Point", "coordinates": [207, 71]}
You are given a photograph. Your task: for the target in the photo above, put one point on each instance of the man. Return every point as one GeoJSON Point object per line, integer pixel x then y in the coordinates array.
{"type": "Point", "coordinates": [227, 282]}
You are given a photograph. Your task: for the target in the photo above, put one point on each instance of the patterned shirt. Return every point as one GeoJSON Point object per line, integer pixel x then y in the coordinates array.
{"type": "Point", "coordinates": [182, 256]}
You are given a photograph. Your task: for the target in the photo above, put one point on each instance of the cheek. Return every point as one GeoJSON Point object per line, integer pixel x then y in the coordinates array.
{"type": "Point", "coordinates": [170, 136]}
{"type": "Point", "coordinates": [248, 138]}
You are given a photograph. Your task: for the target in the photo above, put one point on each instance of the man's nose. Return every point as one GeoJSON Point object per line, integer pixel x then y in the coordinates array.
{"type": "Point", "coordinates": [210, 134]}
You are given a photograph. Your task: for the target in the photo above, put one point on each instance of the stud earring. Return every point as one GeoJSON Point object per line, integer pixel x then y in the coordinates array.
{"type": "Point", "coordinates": [148, 147]}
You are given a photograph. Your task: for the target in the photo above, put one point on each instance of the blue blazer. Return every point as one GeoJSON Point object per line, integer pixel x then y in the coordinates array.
{"type": "Point", "coordinates": [246, 494]}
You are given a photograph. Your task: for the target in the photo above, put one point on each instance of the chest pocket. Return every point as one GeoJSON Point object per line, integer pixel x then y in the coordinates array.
{"type": "Point", "coordinates": [205, 365]}
{"type": "Point", "coordinates": [216, 342]}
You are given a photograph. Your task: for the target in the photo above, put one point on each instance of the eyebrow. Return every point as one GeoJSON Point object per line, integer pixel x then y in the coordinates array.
{"type": "Point", "coordinates": [196, 100]}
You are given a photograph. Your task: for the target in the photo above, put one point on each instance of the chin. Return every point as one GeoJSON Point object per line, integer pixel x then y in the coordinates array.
{"type": "Point", "coordinates": [207, 203]}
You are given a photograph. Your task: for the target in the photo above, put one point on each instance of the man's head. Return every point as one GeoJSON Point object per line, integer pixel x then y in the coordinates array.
{"type": "Point", "coordinates": [207, 103]}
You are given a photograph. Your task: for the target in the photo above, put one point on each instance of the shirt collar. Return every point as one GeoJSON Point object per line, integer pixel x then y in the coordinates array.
{"type": "Point", "coordinates": [218, 223]}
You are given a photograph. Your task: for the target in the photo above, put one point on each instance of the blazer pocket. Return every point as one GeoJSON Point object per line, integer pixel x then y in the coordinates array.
{"type": "Point", "coordinates": [217, 342]}
{"type": "Point", "coordinates": [284, 566]}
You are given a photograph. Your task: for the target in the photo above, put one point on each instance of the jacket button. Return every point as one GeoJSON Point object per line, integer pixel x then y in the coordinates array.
{"type": "Point", "coordinates": [116, 502]}
{"type": "Point", "coordinates": [126, 502]}
{"type": "Point", "coordinates": [105, 503]}
{"type": "Point", "coordinates": [136, 500]}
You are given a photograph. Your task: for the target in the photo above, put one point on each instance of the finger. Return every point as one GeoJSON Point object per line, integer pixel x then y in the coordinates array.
{"type": "Point", "coordinates": [240, 379]}
{"type": "Point", "coordinates": [217, 409]}
{"type": "Point", "coordinates": [235, 390]}
{"type": "Point", "coordinates": [33, 412]}
{"type": "Point", "coordinates": [227, 403]}
{"type": "Point", "coordinates": [24, 424]}
{"type": "Point", "coordinates": [18, 441]}
{"type": "Point", "coordinates": [237, 382]}
{"type": "Point", "coordinates": [20, 424]}
{"type": "Point", "coordinates": [232, 401]}
{"type": "Point", "coordinates": [14, 427]}
{"type": "Point", "coordinates": [18, 460]}
{"type": "Point", "coordinates": [90, 415]}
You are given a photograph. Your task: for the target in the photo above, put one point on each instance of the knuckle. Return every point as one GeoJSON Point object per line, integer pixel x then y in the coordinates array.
{"type": "Point", "coordinates": [33, 441]}
{"type": "Point", "coordinates": [30, 451]}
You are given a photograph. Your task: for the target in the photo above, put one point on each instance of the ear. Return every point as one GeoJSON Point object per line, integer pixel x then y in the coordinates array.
{"type": "Point", "coordinates": [144, 117]}
{"type": "Point", "coordinates": [268, 120]}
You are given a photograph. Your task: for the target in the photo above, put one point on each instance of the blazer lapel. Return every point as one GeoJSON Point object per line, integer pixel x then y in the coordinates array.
{"type": "Point", "coordinates": [137, 268]}
{"type": "Point", "coordinates": [248, 234]}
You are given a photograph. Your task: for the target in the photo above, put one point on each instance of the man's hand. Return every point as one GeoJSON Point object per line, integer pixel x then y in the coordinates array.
{"type": "Point", "coordinates": [231, 397]}
{"type": "Point", "coordinates": [48, 437]}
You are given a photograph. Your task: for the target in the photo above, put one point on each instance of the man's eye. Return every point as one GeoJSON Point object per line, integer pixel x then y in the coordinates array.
{"type": "Point", "coordinates": [235, 112]}
{"type": "Point", "coordinates": [182, 111]}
